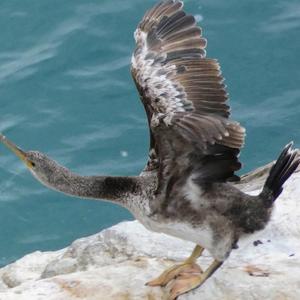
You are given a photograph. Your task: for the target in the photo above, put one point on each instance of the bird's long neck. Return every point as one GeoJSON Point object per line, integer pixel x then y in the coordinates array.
{"type": "Point", "coordinates": [114, 189]}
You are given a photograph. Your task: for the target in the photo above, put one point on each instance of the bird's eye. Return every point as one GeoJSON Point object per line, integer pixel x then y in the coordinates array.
{"type": "Point", "coordinates": [32, 164]}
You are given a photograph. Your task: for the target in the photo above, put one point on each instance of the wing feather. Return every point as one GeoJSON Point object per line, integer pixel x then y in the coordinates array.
{"type": "Point", "coordinates": [183, 91]}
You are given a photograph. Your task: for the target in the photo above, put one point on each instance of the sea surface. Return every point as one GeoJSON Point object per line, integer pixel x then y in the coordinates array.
{"type": "Point", "coordinates": [66, 90]}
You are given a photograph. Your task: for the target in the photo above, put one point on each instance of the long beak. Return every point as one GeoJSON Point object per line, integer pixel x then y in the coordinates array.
{"type": "Point", "coordinates": [15, 149]}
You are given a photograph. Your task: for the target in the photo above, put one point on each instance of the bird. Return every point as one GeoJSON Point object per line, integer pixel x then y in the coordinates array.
{"type": "Point", "coordinates": [187, 188]}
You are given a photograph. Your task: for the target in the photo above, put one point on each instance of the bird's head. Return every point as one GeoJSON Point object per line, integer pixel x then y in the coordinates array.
{"type": "Point", "coordinates": [39, 164]}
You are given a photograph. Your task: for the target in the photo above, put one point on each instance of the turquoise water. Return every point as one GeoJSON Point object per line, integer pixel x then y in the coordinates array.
{"type": "Point", "coordinates": [66, 90]}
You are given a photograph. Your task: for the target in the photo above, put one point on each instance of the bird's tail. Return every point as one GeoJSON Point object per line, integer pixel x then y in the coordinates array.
{"type": "Point", "coordinates": [280, 172]}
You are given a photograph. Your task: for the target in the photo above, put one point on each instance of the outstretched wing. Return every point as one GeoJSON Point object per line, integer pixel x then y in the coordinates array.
{"type": "Point", "coordinates": [183, 92]}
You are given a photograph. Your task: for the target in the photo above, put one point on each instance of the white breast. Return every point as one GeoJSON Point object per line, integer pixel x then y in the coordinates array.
{"type": "Point", "coordinates": [199, 235]}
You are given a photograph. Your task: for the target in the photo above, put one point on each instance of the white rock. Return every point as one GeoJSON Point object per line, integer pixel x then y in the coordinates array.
{"type": "Point", "coordinates": [116, 263]}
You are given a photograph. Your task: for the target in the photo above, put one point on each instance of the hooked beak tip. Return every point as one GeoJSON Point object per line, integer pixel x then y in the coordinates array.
{"type": "Point", "coordinates": [15, 149]}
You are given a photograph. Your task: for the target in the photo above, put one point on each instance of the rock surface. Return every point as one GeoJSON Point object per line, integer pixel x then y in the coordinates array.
{"type": "Point", "coordinates": [116, 263]}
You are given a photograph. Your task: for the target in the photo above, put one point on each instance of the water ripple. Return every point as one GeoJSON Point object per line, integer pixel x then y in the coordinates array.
{"type": "Point", "coordinates": [105, 7]}
{"type": "Point", "coordinates": [273, 110]}
{"type": "Point", "coordinates": [114, 167]}
{"type": "Point", "coordinates": [10, 121]}
{"type": "Point", "coordinates": [102, 134]}
{"type": "Point", "coordinates": [38, 238]}
{"type": "Point", "coordinates": [26, 59]}
{"type": "Point", "coordinates": [45, 115]}
{"type": "Point", "coordinates": [17, 64]}
{"type": "Point", "coordinates": [288, 18]}
{"type": "Point", "coordinates": [18, 14]}
{"type": "Point", "coordinates": [109, 66]}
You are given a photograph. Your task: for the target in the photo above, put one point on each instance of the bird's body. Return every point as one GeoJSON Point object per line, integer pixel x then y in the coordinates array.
{"type": "Point", "coordinates": [206, 217]}
{"type": "Point", "coordinates": [186, 188]}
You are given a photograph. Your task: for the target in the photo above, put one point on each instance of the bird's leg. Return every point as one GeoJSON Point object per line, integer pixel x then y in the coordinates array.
{"type": "Point", "coordinates": [186, 282]}
{"type": "Point", "coordinates": [188, 266]}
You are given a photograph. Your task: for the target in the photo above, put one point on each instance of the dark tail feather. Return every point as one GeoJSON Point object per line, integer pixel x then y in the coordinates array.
{"type": "Point", "coordinates": [280, 172]}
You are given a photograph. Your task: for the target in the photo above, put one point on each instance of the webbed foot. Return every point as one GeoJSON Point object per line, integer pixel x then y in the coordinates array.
{"type": "Point", "coordinates": [186, 282]}
{"type": "Point", "coordinates": [188, 266]}
{"type": "Point", "coordinates": [174, 272]}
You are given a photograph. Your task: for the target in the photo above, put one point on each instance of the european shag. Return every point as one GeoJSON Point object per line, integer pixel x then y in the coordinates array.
{"type": "Point", "coordinates": [185, 189]}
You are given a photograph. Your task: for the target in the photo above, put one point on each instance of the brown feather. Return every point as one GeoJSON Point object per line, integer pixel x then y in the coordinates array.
{"type": "Point", "coordinates": [184, 94]}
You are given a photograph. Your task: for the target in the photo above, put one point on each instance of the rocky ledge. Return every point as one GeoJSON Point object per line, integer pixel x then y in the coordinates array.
{"type": "Point", "coordinates": [116, 263]}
